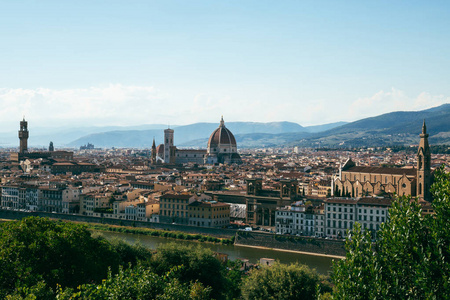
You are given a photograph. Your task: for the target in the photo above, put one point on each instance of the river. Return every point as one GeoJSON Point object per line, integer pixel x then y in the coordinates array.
{"type": "Point", "coordinates": [322, 264]}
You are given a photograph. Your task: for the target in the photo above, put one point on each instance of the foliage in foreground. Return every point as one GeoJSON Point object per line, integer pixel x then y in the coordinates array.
{"type": "Point", "coordinates": [137, 283]}
{"type": "Point", "coordinates": [44, 259]}
{"type": "Point", "coordinates": [37, 254]}
{"type": "Point", "coordinates": [194, 263]}
{"type": "Point", "coordinates": [283, 282]}
{"type": "Point", "coordinates": [410, 260]}
{"type": "Point", "coordinates": [38, 250]}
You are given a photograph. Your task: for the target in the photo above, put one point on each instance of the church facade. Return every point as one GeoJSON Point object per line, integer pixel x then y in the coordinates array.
{"type": "Point", "coordinates": [360, 181]}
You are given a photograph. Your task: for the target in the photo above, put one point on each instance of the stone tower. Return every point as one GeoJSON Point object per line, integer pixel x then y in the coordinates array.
{"type": "Point", "coordinates": [50, 147]}
{"type": "Point", "coordinates": [168, 143]}
{"type": "Point", "coordinates": [153, 159]}
{"type": "Point", "coordinates": [23, 136]}
{"type": "Point", "coordinates": [424, 166]}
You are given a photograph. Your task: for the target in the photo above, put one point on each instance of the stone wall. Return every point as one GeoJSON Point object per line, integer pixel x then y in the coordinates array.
{"type": "Point", "coordinates": [294, 243]}
{"type": "Point", "coordinates": [216, 232]}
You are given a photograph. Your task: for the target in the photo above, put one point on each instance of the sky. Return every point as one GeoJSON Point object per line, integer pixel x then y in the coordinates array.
{"type": "Point", "coordinates": [99, 63]}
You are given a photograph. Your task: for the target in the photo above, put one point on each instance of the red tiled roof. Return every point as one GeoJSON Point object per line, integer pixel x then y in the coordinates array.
{"type": "Point", "coordinates": [221, 136]}
{"type": "Point", "coordinates": [382, 170]}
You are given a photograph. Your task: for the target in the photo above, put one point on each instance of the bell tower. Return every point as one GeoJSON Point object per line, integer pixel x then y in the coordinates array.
{"type": "Point", "coordinates": [423, 166]}
{"type": "Point", "coordinates": [168, 143]}
{"type": "Point", "coordinates": [153, 159]}
{"type": "Point", "coordinates": [23, 136]}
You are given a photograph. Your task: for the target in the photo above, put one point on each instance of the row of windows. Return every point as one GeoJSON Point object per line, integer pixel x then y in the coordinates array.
{"type": "Point", "coordinates": [173, 200]}
{"type": "Point", "coordinates": [340, 216]}
{"type": "Point", "coordinates": [300, 215]}
{"type": "Point", "coordinates": [340, 224]}
{"type": "Point", "coordinates": [173, 206]}
{"type": "Point", "coordinates": [208, 217]}
{"type": "Point", "coordinates": [371, 218]}
{"type": "Point", "coordinates": [339, 209]}
{"type": "Point", "coordinates": [209, 209]}
{"type": "Point", "coordinates": [371, 211]}
{"type": "Point", "coordinates": [173, 213]}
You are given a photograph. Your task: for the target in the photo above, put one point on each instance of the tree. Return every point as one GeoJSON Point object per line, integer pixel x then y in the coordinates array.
{"type": "Point", "coordinates": [411, 258]}
{"type": "Point", "coordinates": [194, 263]}
{"type": "Point", "coordinates": [37, 249]}
{"type": "Point", "coordinates": [137, 283]}
{"type": "Point", "coordinates": [281, 281]}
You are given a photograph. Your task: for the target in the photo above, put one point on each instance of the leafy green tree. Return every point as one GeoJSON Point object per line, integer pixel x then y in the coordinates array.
{"type": "Point", "coordinates": [36, 249]}
{"type": "Point", "coordinates": [234, 278]}
{"type": "Point", "coordinates": [281, 281]}
{"type": "Point", "coordinates": [194, 263]}
{"type": "Point", "coordinates": [411, 258]}
{"type": "Point", "coordinates": [131, 253]}
{"type": "Point", "coordinates": [137, 283]}
{"type": "Point", "coordinates": [37, 291]}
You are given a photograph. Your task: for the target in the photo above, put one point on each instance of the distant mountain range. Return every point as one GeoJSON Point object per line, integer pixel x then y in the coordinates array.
{"type": "Point", "coordinates": [193, 135]}
{"type": "Point", "coordinates": [41, 136]}
{"type": "Point", "coordinates": [396, 128]}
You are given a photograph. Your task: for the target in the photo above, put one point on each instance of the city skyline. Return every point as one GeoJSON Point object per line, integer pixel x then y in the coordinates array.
{"type": "Point", "coordinates": [99, 64]}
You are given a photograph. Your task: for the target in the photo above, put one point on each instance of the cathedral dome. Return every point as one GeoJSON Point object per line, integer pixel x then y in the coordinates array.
{"type": "Point", "coordinates": [222, 137]}
{"type": "Point", "coordinates": [160, 150]}
{"type": "Point", "coordinates": [222, 147]}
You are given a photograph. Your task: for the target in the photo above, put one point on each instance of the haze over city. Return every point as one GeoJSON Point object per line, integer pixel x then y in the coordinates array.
{"type": "Point", "coordinates": [179, 62]}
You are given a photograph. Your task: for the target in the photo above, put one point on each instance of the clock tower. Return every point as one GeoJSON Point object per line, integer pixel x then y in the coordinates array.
{"type": "Point", "coordinates": [23, 136]}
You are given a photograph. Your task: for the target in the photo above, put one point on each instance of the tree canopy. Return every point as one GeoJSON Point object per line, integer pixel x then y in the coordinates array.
{"type": "Point", "coordinates": [281, 281]}
{"type": "Point", "coordinates": [37, 249]}
{"type": "Point", "coordinates": [410, 259]}
{"type": "Point", "coordinates": [136, 283]}
{"type": "Point", "coordinates": [194, 263]}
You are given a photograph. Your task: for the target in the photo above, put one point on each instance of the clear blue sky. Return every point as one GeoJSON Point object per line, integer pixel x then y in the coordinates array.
{"type": "Point", "coordinates": [179, 62]}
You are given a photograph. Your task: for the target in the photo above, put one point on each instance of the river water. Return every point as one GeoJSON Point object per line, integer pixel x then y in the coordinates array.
{"type": "Point", "coordinates": [322, 264]}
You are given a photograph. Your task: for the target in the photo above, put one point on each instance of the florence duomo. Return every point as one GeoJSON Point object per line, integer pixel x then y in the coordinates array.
{"type": "Point", "coordinates": [221, 148]}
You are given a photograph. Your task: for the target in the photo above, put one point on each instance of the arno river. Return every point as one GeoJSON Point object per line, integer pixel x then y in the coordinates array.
{"type": "Point", "coordinates": [320, 263]}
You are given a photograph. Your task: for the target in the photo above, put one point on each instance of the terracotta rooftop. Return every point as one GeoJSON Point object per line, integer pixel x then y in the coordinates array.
{"type": "Point", "coordinates": [382, 170]}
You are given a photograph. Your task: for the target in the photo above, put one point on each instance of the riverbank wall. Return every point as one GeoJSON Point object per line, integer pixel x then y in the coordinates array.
{"type": "Point", "coordinates": [215, 232]}
{"type": "Point", "coordinates": [292, 243]}
{"type": "Point", "coordinates": [242, 238]}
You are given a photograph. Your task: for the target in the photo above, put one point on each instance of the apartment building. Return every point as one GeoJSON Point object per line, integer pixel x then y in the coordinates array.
{"type": "Point", "coordinates": [209, 214]}
{"type": "Point", "coordinates": [334, 217]}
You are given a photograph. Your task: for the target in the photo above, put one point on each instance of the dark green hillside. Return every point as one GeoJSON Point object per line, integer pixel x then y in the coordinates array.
{"type": "Point", "coordinates": [396, 128]}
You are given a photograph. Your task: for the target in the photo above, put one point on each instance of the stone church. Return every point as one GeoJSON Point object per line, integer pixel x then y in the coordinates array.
{"type": "Point", "coordinates": [359, 181]}
{"type": "Point", "coordinates": [221, 148]}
